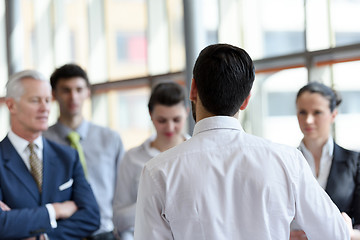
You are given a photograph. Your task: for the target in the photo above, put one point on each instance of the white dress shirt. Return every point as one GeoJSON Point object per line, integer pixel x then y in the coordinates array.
{"type": "Point", "coordinates": [226, 184]}
{"type": "Point", "coordinates": [325, 161]}
{"type": "Point", "coordinates": [127, 186]}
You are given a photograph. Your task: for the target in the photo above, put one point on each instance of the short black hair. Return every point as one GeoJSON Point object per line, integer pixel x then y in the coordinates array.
{"type": "Point", "coordinates": [166, 93]}
{"type": "Point", "coordinates": [224, 75]}
{"type": "Point", "coordinates": [68, 71]}
{"type": "Point", "coordinates": [325, 91]}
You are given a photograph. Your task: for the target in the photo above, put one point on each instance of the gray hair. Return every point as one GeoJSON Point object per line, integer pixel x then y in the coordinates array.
{"type": "Point", "coordinates": [15, 88]}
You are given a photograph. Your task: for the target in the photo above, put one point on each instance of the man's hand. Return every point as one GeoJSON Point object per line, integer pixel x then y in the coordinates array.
{"type": "Point", "coordinates": [65, 209]}
{"type": "Point", "coordinates": [354, 233]}
{"type": "Point", "coordinates": [4, 207]}
{"type": "Point", "coordinates": [298, 235]}
{"type": "Point", "coordinates": [42, 237]}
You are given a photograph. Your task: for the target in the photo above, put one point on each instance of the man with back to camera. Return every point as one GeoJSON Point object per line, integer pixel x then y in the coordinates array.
{"type": "Point", "coordinates": [43, 191]}
{"type": "Point", "coordinates": [224, 183]}
{"type": "Point", "coordinates": [101, 148]}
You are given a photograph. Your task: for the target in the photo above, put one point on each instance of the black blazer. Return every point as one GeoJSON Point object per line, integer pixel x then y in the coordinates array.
{"type": "Point", "coordinates": [343, 185]}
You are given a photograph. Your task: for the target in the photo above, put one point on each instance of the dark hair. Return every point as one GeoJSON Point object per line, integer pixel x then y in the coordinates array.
{"type": "Point", "coordinates": [167, 93]}
{"type": "Point", "coordinates": [325, 91]}
{"type": "Point", "coordinates": [68, 71]}
{"type": "Point", "coordinates": [224, 76]}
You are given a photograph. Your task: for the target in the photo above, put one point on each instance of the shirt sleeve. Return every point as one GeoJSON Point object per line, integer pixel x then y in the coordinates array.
{"type": "Point", "coordinates": [150, 220]}
{"type": "Point", "coordinates": [52, 215]}
{"type": "Point", "coordinates": [315, 213]}
{"type": "Point", "coordinates": [125, 196]}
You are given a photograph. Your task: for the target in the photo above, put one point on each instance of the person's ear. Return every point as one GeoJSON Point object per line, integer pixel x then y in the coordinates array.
{"type": "Point", "coordinates": [150, 114]}
{"type": "Point", "coordinates": [10, 103]}
{"type": "Point", "coordinates": [53, 94]}
{"type": "Point", "coordinates": [193, 91]}
{"type": "Point", "coordinates": [88, 92]}
{"type": "Point", "coordinates": [245, 103]}
{"type": "Point", "coordinates": [334, 114]}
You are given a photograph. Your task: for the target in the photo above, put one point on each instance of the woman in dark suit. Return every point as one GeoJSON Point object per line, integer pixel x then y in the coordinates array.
{"type": "Point", "coordinates": [336, 169]}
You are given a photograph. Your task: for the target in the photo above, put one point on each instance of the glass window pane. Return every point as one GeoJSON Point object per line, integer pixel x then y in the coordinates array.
{"type": "Point", "coordinates": [317, 25]}
{"type": "Point", "coordinates": [345, 19]}
{"type": "Point", "coordinates": [177, 42]}
{"type": "Point", "coordinates": [347, 122]}
{"type": "Point", "coordinates": [126, 23]}
{"type": "Point", "coordinates": [126, 112]}
{"type": "Point", "coordinates": [272, 108]}
{"type": "Point", "coordinates": [3, 59]}
{"type": "Point", "coordinates": [27, 13]}
{"type": "Point", "coordinates": [73, 33]}
{"type": "Point", "coordinates": [268, 30]}
{"type": "Point", "coordinates": [210, 20]}
{"type": "Point", "coordinates": [4, 119]}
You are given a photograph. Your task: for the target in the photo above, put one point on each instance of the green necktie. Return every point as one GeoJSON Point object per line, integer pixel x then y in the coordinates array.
{"type": "Point", "coordinates": [35, 166]}
{"type": "Point", "coordinates": [74, 138]}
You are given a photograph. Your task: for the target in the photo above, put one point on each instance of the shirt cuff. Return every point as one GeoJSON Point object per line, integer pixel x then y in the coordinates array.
{"type": "Point", "coordinates": [52, 215]}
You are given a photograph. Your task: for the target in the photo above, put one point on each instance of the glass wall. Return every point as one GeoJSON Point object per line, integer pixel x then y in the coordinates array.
{"type": "Point", "coordinates": [4, 114]}
{"type": "Point", "coordinates": [126, 46]}
{"type": "Point", "coordinates": [268, 30]}
{"type": "Point", "coordinates": [126, 38]}
{"type": "Point", "coordinates": [345, 77]}
{"type": "Point", "coordinates": [294, 42]}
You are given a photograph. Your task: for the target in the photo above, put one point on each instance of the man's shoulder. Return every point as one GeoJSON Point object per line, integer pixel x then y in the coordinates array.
{"type": "Point", "coordinates": [273, 148]}
{"type": "Point", "coordinates": [102, 130]}
{"type": "Point", "coordinates": [4, 140]}
{"type": "Point", "coordinates": [62, 151]}
{"type": "Point", "coordinates": [53, 128]}
{"type": "Point", "coordinates": [53, 134]}
{"type": "Point", "coordinates": [245, 144]}
{"type": "Point", "coordinates": [137, 155]}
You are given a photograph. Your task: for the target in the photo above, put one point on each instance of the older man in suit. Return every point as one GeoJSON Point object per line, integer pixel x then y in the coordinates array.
{"type": "Point", "coordinates": [43, 191]}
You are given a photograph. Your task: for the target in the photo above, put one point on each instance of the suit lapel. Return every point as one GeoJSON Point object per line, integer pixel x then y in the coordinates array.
{"type": "Point", "coordinates": [49, 172]}
{"type": "Point", "coordinates": [337, 159]}
{"type": "Point", "coordinates": [16, 165]}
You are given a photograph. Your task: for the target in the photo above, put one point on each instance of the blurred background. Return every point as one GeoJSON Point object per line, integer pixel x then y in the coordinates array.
{"type": "Point", "coordinates": [127, 46]}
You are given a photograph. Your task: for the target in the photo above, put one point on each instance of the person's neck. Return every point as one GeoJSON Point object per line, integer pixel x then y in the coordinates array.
{"type": "Point", "coordinates": [315, 146]}
{"type": "Point", "coordinates": [163, 145]}
{"type": "Point", "coordinates": [28, 136]}
{"type": "Point", "coordinates": [202, 113]}
{"type": "Point", "coordinates": [72, 122]}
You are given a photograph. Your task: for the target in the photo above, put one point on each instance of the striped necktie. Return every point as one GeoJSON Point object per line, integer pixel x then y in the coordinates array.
{"type": "Point", "coordinates": [74, 139]}
{"type": "Point", "coordinates": [36, 166]}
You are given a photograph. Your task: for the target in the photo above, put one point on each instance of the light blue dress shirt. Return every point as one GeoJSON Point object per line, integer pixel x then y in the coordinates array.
{"type": "Point", "coordinates": [103, 150]}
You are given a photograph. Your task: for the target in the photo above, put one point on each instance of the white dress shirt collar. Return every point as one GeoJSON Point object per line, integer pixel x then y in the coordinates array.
{"type": "Point", "coordinates": [217, 122]}
{"type": "Point", "coordinates": [325, 161]}
{"type": "Point", "coordinates": [64, 130]}
{"type": "Point", "coordinates": [147, 145]}
{"type": "Point", "coordinates": [21, 145]}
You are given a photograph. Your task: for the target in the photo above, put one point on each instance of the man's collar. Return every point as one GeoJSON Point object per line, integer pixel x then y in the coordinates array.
{"type": "Point", "coordinates": [21, 144]}
{"type": "Point", "coordinates": [82, 129]}
{"type": "Point", "coordinates": [217, 122]}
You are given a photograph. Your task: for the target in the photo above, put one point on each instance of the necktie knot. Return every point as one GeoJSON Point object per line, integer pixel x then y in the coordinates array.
{"type": "Point", "coordinates": [74, 137]}
{"type": "Point", "coordinates": [32, 147]}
